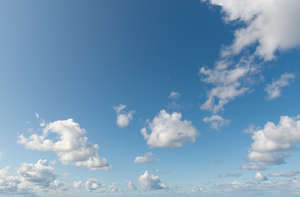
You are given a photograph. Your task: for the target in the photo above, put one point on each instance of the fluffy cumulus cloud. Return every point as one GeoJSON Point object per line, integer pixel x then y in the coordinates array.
{"type": "Point", "coordinates": [271, 24]}
{"type": "Point", "coordinates": [30, 178]}
{"type": "Point", "coordinates": [169, 130]}
{"type": "Point", "coordinates": [216, 121]}
{"type": "Point", "coordinates": [274, 89]}
{"type": "Point", "coordinates": [147, 158]}
{"type": "Point", "coordinates": [151, 182]}
{"type": "Point", "coordinates": [260, 177]}
{"type": "Point", "coordinates": [71, 144]}
{"type": "Point", "coordinates": [271, 144]}
{"type": "Point", "coordinates": [123, 118]}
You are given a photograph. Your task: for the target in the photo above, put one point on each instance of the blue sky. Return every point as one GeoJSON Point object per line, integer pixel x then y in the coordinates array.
{"type": "Point", "coordinates": [149, 98]}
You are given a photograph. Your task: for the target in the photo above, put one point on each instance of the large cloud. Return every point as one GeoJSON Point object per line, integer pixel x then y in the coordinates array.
{"type": "Point", "coordinates": [168, 130]}
{"type": "Point", "coordinates": [271, 144]}
{"type": "Point", "coordinates": [271, 24]}
{"type": "Point", "coordinates": [71, 146]}
{"type": "Point", "coordinates": [30, 178]}
{"type": "Point", "coordinates": [151, 182]}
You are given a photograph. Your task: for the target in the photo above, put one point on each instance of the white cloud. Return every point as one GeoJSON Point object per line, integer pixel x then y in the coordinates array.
{"type": "Point", "coordinates": [274, 89]}
{"type": "Point", "coordinates": [151, 182]}
{"type": "Point", "coordinates": [132, 186]}
{"type": "Point", "coordinates": [216, 121]}
{"type": "Point", "coordinates": [271, 24]}
{"type": "Point", "coordinates": [39, 174]}
{"type": "Point", "coordinates": [30, 178]}
{"type": "Point", "coordinates": [260, 177]}
{"type": "Point", "coordinates": [71, 146]}
{"type": "Point", "coordinates": [37, 115]}
{"type": "Point", "coordinates": [198, 189]}
{"type": "Point", "coordinates": [147, 158]}
{"type": "Point", "coordinates": [123, 118]}
{"type": "Point", "coordinates": [228, 83]}
{"type": "Point", "coordinates": [92, 185]}
{"type": "Point", "coordinates": [271, 144]}
{"type": "Point", "coordinates": [253, 166]}
{"type": "Point", "coordinates": [168, 130]}
{"type": "Point", "coordinates": [174, 95]}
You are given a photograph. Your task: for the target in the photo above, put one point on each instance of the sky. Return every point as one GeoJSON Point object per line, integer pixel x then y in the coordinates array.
{"type": "Point", "coordinates": [149, 98]}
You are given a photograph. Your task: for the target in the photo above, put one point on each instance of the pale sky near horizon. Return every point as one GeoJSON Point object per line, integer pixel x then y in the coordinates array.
{"type": "Point", "coordinates": [150, 98]}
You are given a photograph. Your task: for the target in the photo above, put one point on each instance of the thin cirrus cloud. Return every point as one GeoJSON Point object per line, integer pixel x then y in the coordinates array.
{"type": "Point", "coordinates": [72, 146]}
{"type": "Point", "coordinates": [174, 95]}
{"type": "Point", "coordinates": [123, 118]}
{"type": "Point", "coordinates": [216, 121]}
{"type": "Point", "coordinates": [147, 158]}
{"type": "Point", "coordinates": [272, 143]}
{"type": "Point", "coordinates": [169, 130]}
{"type": "Point", "coordinates": [150, 182]}
{"type": "Point", "coordinates": [274, 89]}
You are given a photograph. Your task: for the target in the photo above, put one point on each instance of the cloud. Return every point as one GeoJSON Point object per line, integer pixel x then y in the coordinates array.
{"type": "Point", "coordinates": [92, 185]}
{"type": "Point", "coordinates": [253, 166]}
{"type": "Point", "coordinates": [271, 144]}
{"type": "Point", "coordinates": [30, 178]}
{"type": "Point", "coordinates": [39, 174]}
{"type": "Point", "coordinates": [174, 95]}
{"type": "Point", "coordinates": [71, 145]}
{"type": "Point", "coordinates": [230, 175]}
{"type": "Point", "coordinates": [274, 89]}
{"type": "Point", "coordinates": [228, 80]}
{"type": "Point", "coordinates": [270, 24]}
{"type": "Point", "coordinates": [216, 121]}
{"type": "Point", "coordinates": [285, 174]}
{"type": "Point", "coordinates": [132, 186]}
{"type": "Point", "coordinates": [147, 158]}
{"type": "Point", "coordinates": [123, 118]}
{"type": "Point", "coordinates": [168, 130]}
{"type": "Point", "coordinates": [259, 177]}
{"type": "Point", "coordinates": [151, 182]}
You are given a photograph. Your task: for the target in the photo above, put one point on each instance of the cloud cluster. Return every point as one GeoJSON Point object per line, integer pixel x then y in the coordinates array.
{"type": "Point", "coordinates": [271, 24]}
{"type": "Point", "coordinates": [93, 185]}
{"type": "Point", "coordinates": [147, 158]}
{"type": "Point", "coordinates": [123, 118]}
{"type": "Point", "coordinates": [216, 121]}
{"type": "Point", "coordinates": [168, 130]}
{"type": "Point", "coordinates": [151, 182]}
{"type": "Point", "coordinates": [274, 89]}
{"type": "Point", "coordinates": [30, 178]}
{"type": "Point", "coordinates": [71, 145]}
{"type": "Point", "coordinates": [271, 144]}
{"type": "Point", "coordinates": [132, 186]}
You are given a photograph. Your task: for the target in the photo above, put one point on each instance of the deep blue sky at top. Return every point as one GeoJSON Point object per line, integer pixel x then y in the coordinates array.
{"type": "Point", "coordinates": [78, 60]}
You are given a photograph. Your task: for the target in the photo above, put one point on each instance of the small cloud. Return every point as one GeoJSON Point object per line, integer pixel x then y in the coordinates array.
{"type": "Point", "coordinates": [132, 186]}
{"type": "Point", "coordinates": [174, 95]}
{"type": "Point", "coordinates": [260, 177]}
{"type": "Point", "coordinates": [147, 158]}
{"type": "Point", "coordinates": [216, 121]}
{"type": "Point", "coordinates": [274, 89]}
{"type": "Point", "coordinates": [151, 182]}
{"type": "Point", "coordinates": [123, 118]}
